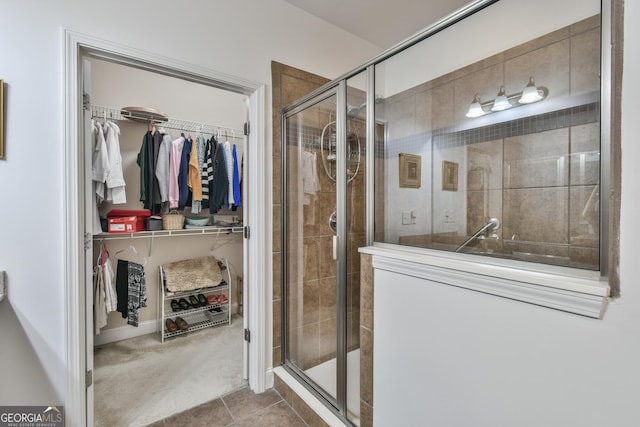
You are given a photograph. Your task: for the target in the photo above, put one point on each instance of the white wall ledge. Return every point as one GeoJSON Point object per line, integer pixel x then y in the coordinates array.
{"type": "Point", "coordinates": [575, 291]}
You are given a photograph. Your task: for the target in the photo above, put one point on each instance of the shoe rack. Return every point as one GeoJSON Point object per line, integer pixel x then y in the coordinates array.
{"type": "Point", "coordinates": [196, 318]}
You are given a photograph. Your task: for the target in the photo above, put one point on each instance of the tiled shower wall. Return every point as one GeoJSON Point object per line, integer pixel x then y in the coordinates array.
{"type": "Point", "coordinates": [539, 174]}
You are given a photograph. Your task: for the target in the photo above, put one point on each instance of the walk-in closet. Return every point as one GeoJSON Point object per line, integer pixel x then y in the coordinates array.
{"type": "Point", "coordinates": [175, 339]}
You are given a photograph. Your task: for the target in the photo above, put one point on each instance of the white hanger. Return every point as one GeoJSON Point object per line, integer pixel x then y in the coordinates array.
{"type": "Point", "coordinates": [134, 250]}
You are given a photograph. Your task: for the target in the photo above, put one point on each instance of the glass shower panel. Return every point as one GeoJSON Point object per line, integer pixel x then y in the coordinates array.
{"type": "Point", "coordinates": [310, 271]}
{"type": "Point", "coordinates": [472, 164]}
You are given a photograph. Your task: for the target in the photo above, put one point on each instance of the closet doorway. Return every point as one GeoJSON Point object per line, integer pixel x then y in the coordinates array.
{"type": "Point", "coordinates": [181, 370]}
{"type": "Point", "coordinates": [240, 259]}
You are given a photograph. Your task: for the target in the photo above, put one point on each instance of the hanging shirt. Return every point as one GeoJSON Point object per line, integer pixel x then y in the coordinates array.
{"type": "Point", "coordinates": [115, 180]}
{"type": "Point", "coordinates": [237, 196]}
{"type": "Point", "coordinates": [174, 171]}
{"type": "Point", "coordinates": [228, 157]}
{"type": "Point", "coordinates": [207, 170]}
{"type": "Point", "coordinates": [194, 181]}
{"type": "Point", "coordinates": [183, 175]}
{"type": "Point", "coordinates": [219, 182]}
{"type": "Point", "coordinates": [99, 172]}
{"type": "Point", "coordinates": [162, 170]}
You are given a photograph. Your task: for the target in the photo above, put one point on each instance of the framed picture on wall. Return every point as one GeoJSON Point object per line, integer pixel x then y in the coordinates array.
{"type": "Point", "coordinates": [410, 170]}
{"type": "Point", "coordinates": [449, 176]}
{"type": "Point", "coordinates": [1, 119]}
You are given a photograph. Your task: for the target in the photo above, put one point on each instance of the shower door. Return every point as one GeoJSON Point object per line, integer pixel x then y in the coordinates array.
{"type": "Point", "coordinates": [323, 226]}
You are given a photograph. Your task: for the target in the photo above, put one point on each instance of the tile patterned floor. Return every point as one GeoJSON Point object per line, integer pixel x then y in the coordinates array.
{"type": "Point", "coordinates": [241, 408]}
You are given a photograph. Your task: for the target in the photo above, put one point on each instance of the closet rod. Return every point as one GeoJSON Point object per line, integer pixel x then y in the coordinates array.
{"type": "Point", "coordinates": [101, 112]}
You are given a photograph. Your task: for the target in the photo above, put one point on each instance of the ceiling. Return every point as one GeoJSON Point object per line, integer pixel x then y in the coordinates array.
{"type": "Point", "coordinates": [381, 22]}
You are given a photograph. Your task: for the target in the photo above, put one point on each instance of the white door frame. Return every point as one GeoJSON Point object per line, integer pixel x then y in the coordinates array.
{"type": "Point", "coordinates": [259, 282]}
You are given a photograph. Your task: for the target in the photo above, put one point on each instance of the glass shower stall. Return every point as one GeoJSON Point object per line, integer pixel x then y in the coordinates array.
{"type": "Point", "coordinates": [491, 155]}
{"type": "Point", "coordinates": [324, 224]}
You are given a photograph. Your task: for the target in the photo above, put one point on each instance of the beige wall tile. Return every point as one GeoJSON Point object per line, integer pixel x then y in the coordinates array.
{"type": "Point", "coordinates": [537, 214]}
{"type": "Point", "coordinates": [277, 275]}
{"type": "Point", "coordinates": [585, 62]}
{"type": "Point", "coordinates": [537, 160]}
{"type": "Point", "coordinates": [585, 216]}
{"type": "Point", "coordinates": [366, 366]}
{"type": "Point", "coordinates": [327, 292]}
{"type": "Point", "coordinates": [328, 339]}
{"type": "Point", "coordinates": [548, 65]}
{"type": "Point", "coordinates": [585, 154]}
{"type": "Point", "coordinates": [537, 43]}
{"type": "Point", "coordinates": [277, 322]}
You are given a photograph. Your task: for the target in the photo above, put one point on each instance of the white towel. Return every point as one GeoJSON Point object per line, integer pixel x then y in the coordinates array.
{"type": "Point", "coordinates": [310, 180]}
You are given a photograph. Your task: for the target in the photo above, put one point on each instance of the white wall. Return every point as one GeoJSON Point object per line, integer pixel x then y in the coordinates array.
{"type": "Point", "coordinates": [470, 359]}
{"type": "Point", "coordinates": [239, 38]}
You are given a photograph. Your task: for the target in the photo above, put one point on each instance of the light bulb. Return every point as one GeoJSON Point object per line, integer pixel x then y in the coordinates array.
{"type": "Point", "coordinates": [475, 109]}
{"type": "Point", "coordinates": [530, 93]}
{"type": "Point", "coordinates": [501, 102]}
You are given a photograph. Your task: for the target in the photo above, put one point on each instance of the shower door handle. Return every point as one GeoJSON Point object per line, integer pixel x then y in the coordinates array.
{"type": "Point", "coordinates": [335, 248]}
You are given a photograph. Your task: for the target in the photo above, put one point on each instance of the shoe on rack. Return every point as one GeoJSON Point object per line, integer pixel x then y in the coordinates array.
{"type": "Point", "coordinates": [213, 299]}
{"type": "Point", "coordinates": [222, 299]}
{"type": "Point", "coordinates": [171, 325]}
{"type": "Point", "coordinates": [184, 304]}
{"type": "Point", "coordinates": [202, 300]}
{"type": "Point", "coordinates": [182, 324]}
{"type": "Point", "coordinates": [175, 306]}
{"type": "Point", "coordinates": [194, 301]}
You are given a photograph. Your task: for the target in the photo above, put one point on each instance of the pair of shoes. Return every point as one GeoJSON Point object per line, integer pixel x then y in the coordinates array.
{"type": "Point", "coordinates": [182, 324]}
{"type": "Point", "coordinates": [199, 301]}
{"type": "Point", "coordinates": [179, 323]}
{"type": "Point", "coordinates": [218, 299]}
{"type": "Point", "coordinates": [175, 306]}
{"type": "Point", "coordinates": [215, 310]}
{"type": "Point", "coordinates": [171, 325]}
{"type": "Point", "coordinates": [184, 304]}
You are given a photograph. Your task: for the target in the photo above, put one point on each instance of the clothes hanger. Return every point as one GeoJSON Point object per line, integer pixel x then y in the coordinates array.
{"type": "Point", "coordinates": [103, 255]}
{"type": "Point", "coordinates": [134, 250]}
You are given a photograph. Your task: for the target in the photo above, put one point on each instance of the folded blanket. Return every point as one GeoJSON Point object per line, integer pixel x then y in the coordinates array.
{"type": "Point", "coordinates": [190, 274]}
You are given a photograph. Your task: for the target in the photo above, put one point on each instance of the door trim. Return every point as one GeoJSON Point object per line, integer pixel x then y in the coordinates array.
{"type": "Point", "coordinates": [259, 282]}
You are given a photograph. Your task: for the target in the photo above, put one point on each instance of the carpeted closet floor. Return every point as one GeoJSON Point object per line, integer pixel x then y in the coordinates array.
{"type": "Point", "coordinates": [140, 380]}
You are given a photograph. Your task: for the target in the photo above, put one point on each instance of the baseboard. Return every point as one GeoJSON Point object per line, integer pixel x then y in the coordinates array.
{"type": "Point", "coordinates": [107, 336]}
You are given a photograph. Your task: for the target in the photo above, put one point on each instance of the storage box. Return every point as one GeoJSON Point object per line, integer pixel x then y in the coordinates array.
{"type": "Point", "coordinates": [127, 221]}
{"type": "Point", "coordinates": [225, 219]}
{"type": "Point", "coordinates": [154, 223]}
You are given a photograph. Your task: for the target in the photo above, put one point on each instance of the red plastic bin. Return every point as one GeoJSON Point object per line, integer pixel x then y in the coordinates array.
{"type": "Point", "coordinates": [127, 220]}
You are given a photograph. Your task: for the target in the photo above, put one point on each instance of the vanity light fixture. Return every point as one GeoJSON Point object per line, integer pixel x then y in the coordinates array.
{"type": "Point", "coordinates": [530, 94]}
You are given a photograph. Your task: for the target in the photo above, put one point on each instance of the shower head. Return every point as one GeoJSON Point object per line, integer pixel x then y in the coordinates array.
{"type": "Point", "coordinates": [354, 110]}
